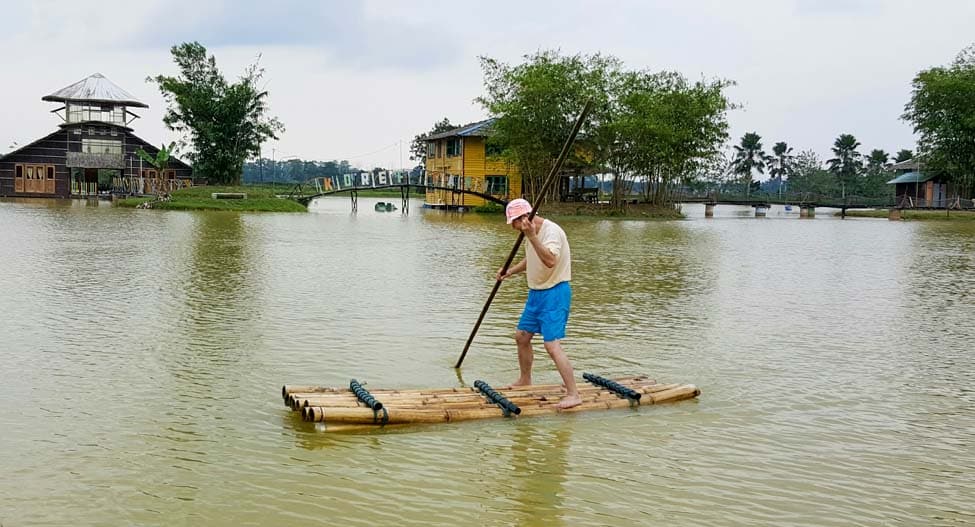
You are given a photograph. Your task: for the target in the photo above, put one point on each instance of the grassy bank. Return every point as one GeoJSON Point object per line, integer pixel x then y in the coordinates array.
{"type": "Point", "coordinates": [198, 198]}
{"type": "Point", "coordinates": [915, 215]}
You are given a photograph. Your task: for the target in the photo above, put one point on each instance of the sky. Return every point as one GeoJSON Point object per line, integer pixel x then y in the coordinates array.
{"type": "Point", "coordinates": [358, 80]}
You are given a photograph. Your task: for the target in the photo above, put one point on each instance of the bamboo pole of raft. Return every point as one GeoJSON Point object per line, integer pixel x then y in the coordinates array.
{"type": "Point", "coordinates": [521, 236]}
{"type": "Point", "coordinates": [389, 395]}
{"type": "Point", "coordinates": [348, 399]}
{"type": "Point", "coordinates": [431, 400]}
{"type": "Point", "coordinates": [415, 415]}
{"type": "Point", "coordinates": [290, 389]}
{"type": "Point", "coordinates": [463, 392]}
{"type": "Point", "coordinates": [305, 400]}
{"type": "Point", "coordinates": [404, 415]}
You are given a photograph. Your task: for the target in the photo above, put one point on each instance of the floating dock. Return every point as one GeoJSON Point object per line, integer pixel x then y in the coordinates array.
{"type": "Point", "coordinates": [356, 408]}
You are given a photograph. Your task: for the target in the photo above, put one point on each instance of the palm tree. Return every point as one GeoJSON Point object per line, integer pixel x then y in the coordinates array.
{"type": "Point", "coordinates": [848, 162]}
{"type": "Point", "coordinates": [877, 174]}
{"type": "Point", "coordinates": [749, 156]}
{"type": "Point", "coordinates": [878, 160]}
{"type": "Point", "coordinates": [903, 155]}
{"type": "Point", "coordinates": [780, 162]}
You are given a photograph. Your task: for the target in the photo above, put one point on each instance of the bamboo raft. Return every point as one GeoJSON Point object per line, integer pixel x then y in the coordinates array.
{"type": "Point", "coordinates": [355, 408]}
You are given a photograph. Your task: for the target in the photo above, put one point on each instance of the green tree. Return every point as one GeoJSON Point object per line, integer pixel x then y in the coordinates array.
{"type": "Point", "coordinates": [749, 157]}
{"type": "Point", "coordinates": [655, 128]}
{"type": "Point", "coordinates": [809, 177]}
{"type": "Point", "coordinates": [877, 174]}
{"type": "Point", "coordinates": [780, 162]}
{"type": "Point", "coordinates": [536, 104]}
{"type": "Point", "coordinates": [942, 110]}
{"type": "Point", "coordinates": [223, 123]}
{"type": "Point", "coordinates": [418, 148]}
{"type": "Point", "coordinates": [663, 130]}
{"type": "Point", "coordinates": [903, 155]}
{"type": "Point", "coordinates": [848, 163]}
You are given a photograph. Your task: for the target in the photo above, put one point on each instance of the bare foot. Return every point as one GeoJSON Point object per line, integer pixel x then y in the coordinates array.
{"type": "Point", "coordinates": [519, 382]}
{"type": "Point", "coordinates": [569, 401]}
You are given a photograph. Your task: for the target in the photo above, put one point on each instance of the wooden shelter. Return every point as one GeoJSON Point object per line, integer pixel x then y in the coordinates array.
{"type": "Point", "coordinates": [92, 153]}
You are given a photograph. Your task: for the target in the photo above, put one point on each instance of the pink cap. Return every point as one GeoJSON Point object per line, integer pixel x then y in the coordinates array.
{"type": "Point", "coordinates": [516, 208]}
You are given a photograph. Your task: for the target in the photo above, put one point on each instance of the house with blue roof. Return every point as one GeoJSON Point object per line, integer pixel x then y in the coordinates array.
{"type": "Point", "coordinates": [922, 190]}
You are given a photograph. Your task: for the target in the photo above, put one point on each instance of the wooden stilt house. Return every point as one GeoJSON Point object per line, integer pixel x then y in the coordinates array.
{"type": "Point", "coordinates": [92, 153]}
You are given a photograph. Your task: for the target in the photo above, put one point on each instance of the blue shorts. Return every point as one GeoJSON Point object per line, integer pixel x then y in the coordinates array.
{"type": "Point", "coordinates": [547, 311]}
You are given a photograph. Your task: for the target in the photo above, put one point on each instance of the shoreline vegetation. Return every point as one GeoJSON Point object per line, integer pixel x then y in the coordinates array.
{"type": "Point", "coordinates": [199, 198]}
{"type": "Point", "coordinates": [914, 215]}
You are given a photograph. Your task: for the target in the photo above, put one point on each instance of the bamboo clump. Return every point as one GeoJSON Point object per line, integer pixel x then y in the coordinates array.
{"type": "Point", "coordinates": [340, 410]}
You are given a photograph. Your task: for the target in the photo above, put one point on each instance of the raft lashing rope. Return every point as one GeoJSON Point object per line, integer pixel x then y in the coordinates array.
{"type": "Point", "coordinates": [363, 395]}
{"type": "Point", "coordinates": [507, 407]}
{"type": "Point", "coordinates": [613, 386]}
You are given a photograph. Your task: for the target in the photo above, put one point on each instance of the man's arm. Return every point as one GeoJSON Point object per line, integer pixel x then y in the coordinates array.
{"type": "Point", "coordinates": [513, 270]}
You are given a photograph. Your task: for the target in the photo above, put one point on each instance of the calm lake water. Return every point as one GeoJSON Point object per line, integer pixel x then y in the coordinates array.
{"type": "Point", "coordinates": [143, 354]}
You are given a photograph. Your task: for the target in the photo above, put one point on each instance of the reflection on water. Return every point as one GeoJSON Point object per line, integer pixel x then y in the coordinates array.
{"type": "Point", "coordinates": [539, 459]}
{"type": "Point", "coordinates": [143, 352]}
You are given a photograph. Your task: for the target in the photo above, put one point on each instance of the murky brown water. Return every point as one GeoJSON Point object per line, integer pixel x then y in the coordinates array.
{"type": "Point", "coordinates": [143, 354]}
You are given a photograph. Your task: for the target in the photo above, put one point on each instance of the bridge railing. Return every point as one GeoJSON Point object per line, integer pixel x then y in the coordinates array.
{"type": "Point", "coordinates": [791, 198]}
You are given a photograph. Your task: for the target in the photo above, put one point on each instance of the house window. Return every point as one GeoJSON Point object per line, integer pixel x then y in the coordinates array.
{"type": "Point", "coordinates": [453, 147]}
{"type": "Point", "coordinates": [101, 146]}
{"type": "Point", "coordinates": [78, 113]}
{"type": "Point", "coordinates": [497, 185]}
{"type": "Point", "coordinates": [431, 149]}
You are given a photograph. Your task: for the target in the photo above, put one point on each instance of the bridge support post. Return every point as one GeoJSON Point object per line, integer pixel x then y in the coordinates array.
{"type": "Point", "coordinates": [894, 215]}
{"type": "Point", "coordinates": [805, 211]}
{"type": "Point", "coordinates": [709, 210]}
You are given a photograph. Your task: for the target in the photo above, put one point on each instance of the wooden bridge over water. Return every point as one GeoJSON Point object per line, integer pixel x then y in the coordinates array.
{"type": "Point", "coordinates": [806, 202]}
{"type": "Point", "coordinates": [304, 194]}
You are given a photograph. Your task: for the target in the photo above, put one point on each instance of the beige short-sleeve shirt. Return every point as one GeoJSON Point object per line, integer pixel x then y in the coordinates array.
{"type": "Point", "coordinates": [553, 238]}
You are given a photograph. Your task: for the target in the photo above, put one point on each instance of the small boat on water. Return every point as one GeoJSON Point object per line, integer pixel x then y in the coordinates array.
{"type": "Point", "coordinates": [357, 409]}
{"type": "Point", "coordinates": [385, 207]}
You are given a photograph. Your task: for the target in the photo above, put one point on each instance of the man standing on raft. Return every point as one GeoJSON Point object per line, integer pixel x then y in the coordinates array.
{"type": "Point", "coordinates": [549, 268]}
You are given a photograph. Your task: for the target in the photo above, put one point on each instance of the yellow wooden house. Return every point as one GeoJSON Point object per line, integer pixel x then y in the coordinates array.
{"type": "Point", "coordinates": [460, 165]}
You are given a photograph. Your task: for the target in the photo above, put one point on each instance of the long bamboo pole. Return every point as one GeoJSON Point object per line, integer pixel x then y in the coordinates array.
{"type": "Point", "coordinates": [441, 415]}
{"type": "Point", "coordinates": [521, 236]}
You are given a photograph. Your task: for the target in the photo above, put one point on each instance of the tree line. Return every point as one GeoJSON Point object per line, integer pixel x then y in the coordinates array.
{"type": "Point", "coordinates": [653, 127]}
{"type": "Point", "coordinates": [847, 173]}
{"type": "Point", "coordinates": [265, 170]}
{"type": "Point", "coordinates": [669, 134]}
